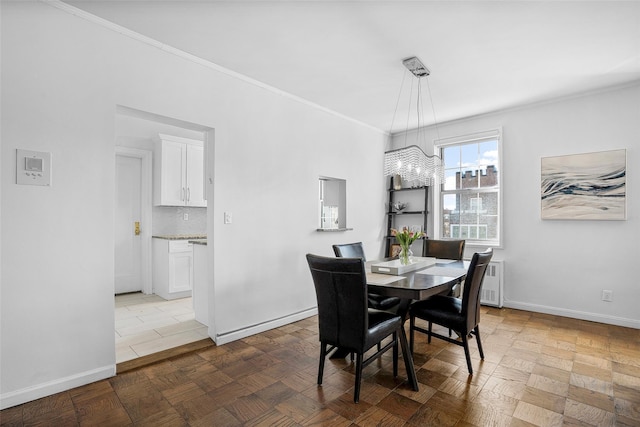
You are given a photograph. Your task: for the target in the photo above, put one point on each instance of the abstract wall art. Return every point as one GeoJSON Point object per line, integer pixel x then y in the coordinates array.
{"type": "Point", "coordinates": [590, 186]}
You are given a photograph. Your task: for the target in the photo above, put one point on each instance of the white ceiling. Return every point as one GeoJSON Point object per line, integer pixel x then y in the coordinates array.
{"type": "Point", "coordinates": [346, 55]}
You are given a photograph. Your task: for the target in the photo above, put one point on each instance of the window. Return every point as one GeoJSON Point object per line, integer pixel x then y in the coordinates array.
{"type": "Point", "coordinates": [468, 231]}
{"type": "Point", "coordinates": [470, 197]}
{"type": "Point", "coordinates": [333, 203]}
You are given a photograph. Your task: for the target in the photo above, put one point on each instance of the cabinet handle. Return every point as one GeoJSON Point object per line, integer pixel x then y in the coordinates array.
{"type": "Point", "coordinates": [182, 194]}
{"type": "Point", "coordinates": [188, 194]}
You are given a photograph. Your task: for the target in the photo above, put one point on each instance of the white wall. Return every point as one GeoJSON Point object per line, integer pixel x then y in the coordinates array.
{"type": "Point", "coordinates": [62, 78]}
{"type": "Point", "coordinates": [561, 267]}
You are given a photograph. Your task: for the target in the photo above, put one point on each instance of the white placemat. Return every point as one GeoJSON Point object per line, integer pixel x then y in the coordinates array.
{"type": "Point", "coordinates": [443, 271]}
{"type": "Point", "coordinates": [382, 279]}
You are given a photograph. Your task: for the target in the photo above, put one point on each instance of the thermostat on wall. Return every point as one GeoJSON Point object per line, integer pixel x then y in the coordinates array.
{"type": "Point", "coordinates": [33, 167]}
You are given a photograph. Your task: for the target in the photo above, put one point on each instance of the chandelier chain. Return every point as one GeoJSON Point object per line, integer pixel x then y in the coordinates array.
{"type": "Point", "coordinates": [393, 120]}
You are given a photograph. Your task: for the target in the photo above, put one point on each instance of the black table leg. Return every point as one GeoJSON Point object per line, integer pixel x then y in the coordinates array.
{"type": "Point", "coordinates": [408, 360]}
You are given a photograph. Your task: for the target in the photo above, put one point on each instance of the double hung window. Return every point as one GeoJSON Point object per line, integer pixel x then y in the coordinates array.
{"type": "Point", "coordinates": [470, 196]}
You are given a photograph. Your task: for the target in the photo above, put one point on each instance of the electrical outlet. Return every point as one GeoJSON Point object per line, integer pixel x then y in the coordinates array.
{"type": "Point", "coordinates": [227, 218]}
{"type": "Point", "coordinates": [607, 295]}
{"type": "Point", "coordinates": [185, 216]}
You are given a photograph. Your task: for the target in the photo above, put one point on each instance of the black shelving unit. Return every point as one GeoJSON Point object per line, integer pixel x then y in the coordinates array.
{"type": "Point", "coordinates": [392, 215]}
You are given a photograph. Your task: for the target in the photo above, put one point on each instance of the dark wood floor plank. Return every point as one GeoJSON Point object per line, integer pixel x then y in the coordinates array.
{"type": "Point", "coordinates": [13, 416]}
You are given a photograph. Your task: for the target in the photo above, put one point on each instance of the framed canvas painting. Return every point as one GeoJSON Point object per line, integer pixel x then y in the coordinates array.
{"type": "Point", "coordinates": [589, 186]}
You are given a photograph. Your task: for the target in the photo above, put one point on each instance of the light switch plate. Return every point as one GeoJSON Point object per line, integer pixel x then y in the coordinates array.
{"type": "Point", "coordinates": [33, 167]}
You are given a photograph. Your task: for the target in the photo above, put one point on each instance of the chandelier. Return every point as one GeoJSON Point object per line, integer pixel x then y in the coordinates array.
{"type": "Point", "coordinates": [411, 163]}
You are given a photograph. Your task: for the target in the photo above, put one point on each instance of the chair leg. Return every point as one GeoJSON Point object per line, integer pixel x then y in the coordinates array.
{"type": "Point", "coordinates": [429, 335]}
{"type": "Point", "coordinates": [323, 355]}
{"type": "Point", "coordinates": [412, 324]}
{"type": "Point", "coordinates": [479, 342]}
{"type": "Point", "coordinates": [356, 392]}
{"type": "Point", "coordinates": [465, 344]}
{"type": "Point", "coordinates": [395, 354]}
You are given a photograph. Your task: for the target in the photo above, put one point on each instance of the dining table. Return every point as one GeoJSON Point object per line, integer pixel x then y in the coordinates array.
{"type": "Point", "coordinates": [438, 277]}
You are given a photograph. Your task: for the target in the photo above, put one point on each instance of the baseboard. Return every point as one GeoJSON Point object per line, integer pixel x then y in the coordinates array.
{"type": "Point", "coordinates": [38, 391]}
{"type": "Point", "coordinates": [574, 314]}
{"type": "Point", "coordinates": [228, 337]}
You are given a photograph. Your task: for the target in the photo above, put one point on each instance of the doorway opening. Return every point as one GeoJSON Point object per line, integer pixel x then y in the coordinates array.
{"type": "Point", "coordinates": [145, 323]}
{"type": "Point", "coordinates": [148, 324]}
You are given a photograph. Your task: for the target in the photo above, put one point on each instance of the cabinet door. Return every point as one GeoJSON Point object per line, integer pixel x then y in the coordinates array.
{"type": "Point", "coordinates": [195, 176]}
{"type": "Point", "coordinates": [173, 189]}
{"type": "Point", "coordinates": [180, 272]}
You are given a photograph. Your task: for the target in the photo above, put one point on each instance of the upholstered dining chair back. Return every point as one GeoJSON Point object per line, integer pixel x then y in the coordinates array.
{"type": "Point", "coordinates": [341, 291]}
{"type": "Point", "coordinates": [349, 250]}
{"type": "Point", "coordinates": [444, 249]}
{"type": "Point", "coordinates": [472, 287]}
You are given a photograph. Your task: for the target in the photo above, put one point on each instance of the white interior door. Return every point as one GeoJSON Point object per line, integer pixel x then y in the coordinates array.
{"type": "Point", "coordinates": [128, 244]}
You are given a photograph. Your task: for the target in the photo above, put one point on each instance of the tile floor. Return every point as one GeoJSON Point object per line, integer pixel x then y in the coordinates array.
{"type": "Point", "coordinates": [147, 324]}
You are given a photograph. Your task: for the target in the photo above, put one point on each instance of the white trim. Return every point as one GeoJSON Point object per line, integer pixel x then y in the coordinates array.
{"type": "Point", "coordinates": [228, 337]}
{"type": "Point", "coordinates": [153, 117]}
{"type": "Point", "coordinates": [146, 194]}
{"type": "Point", "coordinates": [470, 137]}
{"type": "Point", "coordinates": [181, 139]}
{"type": "Point", "coordinates": [172, 50]}
{"type": "Point", "coordinates": [48, 388]}
{"type": "Point", "coordinates": [574, 314]}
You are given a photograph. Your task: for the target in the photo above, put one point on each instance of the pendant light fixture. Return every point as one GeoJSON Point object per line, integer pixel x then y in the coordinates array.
{"type": "Point", "coordinates": [411, 163]}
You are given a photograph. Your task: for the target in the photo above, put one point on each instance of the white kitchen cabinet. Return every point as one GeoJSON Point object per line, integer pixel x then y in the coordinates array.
{"type": "Point", "coordinates": [172, 268]}
{"type": "Point", "coordinates": [179, 172]}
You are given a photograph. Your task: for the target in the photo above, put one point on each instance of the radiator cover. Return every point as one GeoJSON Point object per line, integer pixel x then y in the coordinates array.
{"type": "Point", "coordinates": [492, 287]}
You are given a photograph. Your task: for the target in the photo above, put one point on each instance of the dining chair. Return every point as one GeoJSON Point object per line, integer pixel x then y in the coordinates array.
{"type": "Point", "coordinates": [461, 315]}
{"type": "Point", "coordinates": [446, 249]}
{"type": "Point", "coordinates": [356, 250]}
{"type": "Point", "coordinates": [344, 319]}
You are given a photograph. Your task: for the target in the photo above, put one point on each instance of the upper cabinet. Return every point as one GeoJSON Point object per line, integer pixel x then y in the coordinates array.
{"type": "Point", "coordinates": [179, 172]}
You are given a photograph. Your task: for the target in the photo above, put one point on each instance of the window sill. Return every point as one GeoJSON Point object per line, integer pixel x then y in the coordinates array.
{"type": "Point", "coordinates": [477, 244]}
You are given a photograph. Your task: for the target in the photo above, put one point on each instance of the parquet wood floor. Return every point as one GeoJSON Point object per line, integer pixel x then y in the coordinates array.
{"type": "Point", "coordinates": [539, 370]}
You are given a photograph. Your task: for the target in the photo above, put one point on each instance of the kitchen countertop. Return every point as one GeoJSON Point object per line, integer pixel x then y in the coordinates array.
{"type": "Point", "coordinates": [199, 242]}
{"type": "Point", "coordinates": [181, 236]}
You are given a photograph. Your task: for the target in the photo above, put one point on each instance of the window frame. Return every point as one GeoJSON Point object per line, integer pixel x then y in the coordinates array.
{"type": "Point", "coordinates": [475, 138]}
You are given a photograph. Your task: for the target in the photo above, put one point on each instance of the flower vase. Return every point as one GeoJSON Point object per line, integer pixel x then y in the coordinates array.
{"type": "Point", "coordinates": [406, 255]}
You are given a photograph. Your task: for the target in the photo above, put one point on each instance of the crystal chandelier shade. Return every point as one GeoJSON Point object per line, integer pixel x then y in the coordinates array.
{"type": "Point", "coordinates": [411, 162]}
